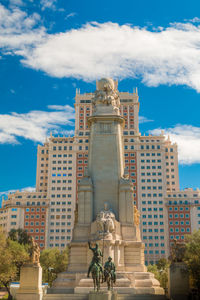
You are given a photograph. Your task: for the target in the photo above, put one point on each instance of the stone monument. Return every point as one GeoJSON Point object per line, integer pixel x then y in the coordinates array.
{"type": "Point", "coordinates": [106, 212]}
{"type": "Point", "coordinates": [31, 276]}
{"type": "Point", "coordinates": [178, 283]}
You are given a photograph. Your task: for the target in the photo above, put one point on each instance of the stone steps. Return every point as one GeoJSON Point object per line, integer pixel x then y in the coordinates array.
{"type": "Point", "coordinates": [65, 297]}
{"type": "Point", "coordinates": [140, 297]}
{"type": "Point", "coordinates": [119, 297]}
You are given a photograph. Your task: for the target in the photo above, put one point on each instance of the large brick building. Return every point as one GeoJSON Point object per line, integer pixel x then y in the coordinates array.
{"type": "Point", "coordinates": [152, 164]}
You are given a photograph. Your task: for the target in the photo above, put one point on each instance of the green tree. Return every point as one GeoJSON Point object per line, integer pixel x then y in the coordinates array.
{"type": "Point", "coordinates": [192, 258]}
{"type": "Point", "coordinates": [53, 262]}
{"type": "Point", "coordinates": [20, 235]}
{"type": "Point", "coordinates": [160, 270]}
{"type": "Point", "coordinates": [12, 257]}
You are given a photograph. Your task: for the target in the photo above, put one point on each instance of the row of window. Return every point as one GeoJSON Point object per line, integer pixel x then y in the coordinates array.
{"type": "Point", "coordinates": [63, 196]}
{"type": "Point", "coordinates": [177, 222]}
{"type": "Point", "coordinates": [179, 216]}
{"type": "Point", "coordinates": [60, 224]}
{"type": "Point", "coordinates": [58, 238]}
{"type": "Point", "coordinates": [152, 216]}
{"type": "Point", "coordinates": [150, 160]}
{"type": "Point", "coordinates": [35, 209]}
{"type": "Point", "coordinates": [62, 155]}
{"type": "Point", "coordinates": [36, 230]}
{"type": "Point", "coordinates": [151, 230]}
{"type": "Point", "coordinates": [178, 208]}
{"type": "Point", "coordinates": [35, 223]}
{"type": "Point", "coordinates": [151, 187]}
{"type": "Point", "coordinates": [152, 209]}
{"type": "Point", "coordinates": [60, 148]}
{"type": "Point", "coordinates": [151, 180]}
{"type": "Point", "coordinates": [60, 230]}
{"type": "Point", "coordinates": [59, 210]}
{"type": "Point", "coordinates": [151, 167]}
{"type": "Point", "coordinates": [60, 203]}
{"type": "Point", "coordinates": [150, 154]}
{"type": "Point", "coordinates": [57, 245]}
{"type": "Point", "coordinates": [61, 168]}
{"type": "Point", "coordinates": [62, 162]}
{"type": "Point", "coordinates": [152, 195]}
{"type": "Point", "coordinates": [152, 223]}
{"type": "Point", "coordinates": [59, 174]}
{"type": "Point", "coordinates": [61, 181]}
{"type": "Point", "coordinates": [154, 244]}
{"type": "Point", "coordinates": [62, 141]}
{"type": "Point", "coordinates": [153, 252]}
{"type": "Point", "coordinates": [177, 237]}
{"type": "Point", "coordinates": [152, 202]}
{"type": "Point", "coordinates": [152, 174]}
{"type": "Point", "coordinates": [34, 216]}
{"type": "Point", "coordinates": [147, 147]}
{"type": "Point", "coordinates": [64, 188]}
{"type": "Point", "coordinates": [156, 237]}
{"type": "Point", "coordinates": [181, 230]}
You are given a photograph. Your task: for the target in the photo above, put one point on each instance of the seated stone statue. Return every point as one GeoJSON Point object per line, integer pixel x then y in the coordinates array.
{"type": "Point", "coordinates": [109, 270]}
{"type": "Point", "coordinates": [105, 220]}
{"type": "Point", "coordinates": [97, 254]}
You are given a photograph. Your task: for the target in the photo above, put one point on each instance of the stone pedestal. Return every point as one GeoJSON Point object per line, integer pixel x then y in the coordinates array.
{"type": "Point", "coordinates": [102, 295]}
{"type": "Point", "coordinates": [178, 283]}
{"type": "Point", "coordinates": [30, 283]}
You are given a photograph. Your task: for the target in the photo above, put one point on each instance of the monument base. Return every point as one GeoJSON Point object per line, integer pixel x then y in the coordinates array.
{"type": "Point", "coordinates": [101, 295]}
{"type": "Point", "coordinates": [178, 283]}
{"type": "Point", "coordinates": [30, 283]}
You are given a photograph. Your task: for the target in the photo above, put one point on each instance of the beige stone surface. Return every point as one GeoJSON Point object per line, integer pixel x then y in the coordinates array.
{"type": "Point", "coordinates": [30, 283]}
{"type": "Point", "coordinates": [178, 283]}
{"type": "Point", "coordinates": [103, 295]}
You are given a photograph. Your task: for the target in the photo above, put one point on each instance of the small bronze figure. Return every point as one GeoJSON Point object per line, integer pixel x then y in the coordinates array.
{"type": "Point", "coordinates": [95, 266]}
{"type": "Point", "coordinates": [109, 273]}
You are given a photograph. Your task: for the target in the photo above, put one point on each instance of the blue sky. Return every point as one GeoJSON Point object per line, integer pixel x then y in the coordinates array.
{"type": "Point", "coordinates": [49, 48]}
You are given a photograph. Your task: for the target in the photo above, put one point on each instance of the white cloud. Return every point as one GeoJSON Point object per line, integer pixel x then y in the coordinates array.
{"type": "Point", "coordinates": [143, 119]}
{"type": "Point", "coordinates": [170, 56]}
{"type": "Point", "coordinates": [187, 138]}
{"type": "Point", "coordinates": [18, 30]}
{"type": "Point", "coordinates": [16, 2]}
{"type": "Point", "coordinates": [26, 189]}
{"type": "Point", "coordinates": [50, 4]}
{"type": "Point", "coordinates": [70, 15]}
{"type": "Point", "coordinates": [193, 20]}
{"type": "Point", "coordinates": [35, 125]}
{"type": "Point", "coordinates": [158, 56]}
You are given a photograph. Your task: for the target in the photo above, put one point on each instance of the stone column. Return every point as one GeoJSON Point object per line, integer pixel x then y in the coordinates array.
{"type": "Point", "coordinates": [178, 282]}
{"type": "Point", "coordinates": [30, 283]}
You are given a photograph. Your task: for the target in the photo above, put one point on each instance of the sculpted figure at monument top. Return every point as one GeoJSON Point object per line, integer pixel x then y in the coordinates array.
{"type": "Point", "coordinates": [106, 94]}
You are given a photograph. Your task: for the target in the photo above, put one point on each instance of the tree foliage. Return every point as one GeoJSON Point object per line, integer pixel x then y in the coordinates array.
{"type": "Point", "coordinates": [53, 262]}
{"type": "Point", "coordinates": [192, 258]}
{"type": "Point", "coordinates": [160, 270]}
{"type": "Point", "coordinates": [20, 235]}
{"type": "Point", "coordinates": [12, 257]}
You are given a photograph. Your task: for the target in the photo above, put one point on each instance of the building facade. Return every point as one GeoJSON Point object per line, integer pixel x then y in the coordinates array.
{"type": "Point", "coordinates": [152, 165]}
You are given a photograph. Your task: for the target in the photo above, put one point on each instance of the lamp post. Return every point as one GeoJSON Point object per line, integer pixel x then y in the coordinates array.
{"type": "Point", "coordinates": [49, 270]}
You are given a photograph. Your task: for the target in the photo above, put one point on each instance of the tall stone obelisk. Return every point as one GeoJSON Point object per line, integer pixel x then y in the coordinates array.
{"type": "Point", "coordinates": [106, 159]}
{"type": "Point", "coordinates": [106, 211]}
